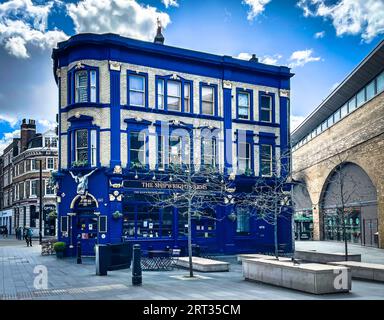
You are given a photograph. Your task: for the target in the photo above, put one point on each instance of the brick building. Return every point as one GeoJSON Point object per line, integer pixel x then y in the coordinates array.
{"type": "Point", "coordinates": [338, 158]}
{"type": "Point", "coordinates": [20, 178]}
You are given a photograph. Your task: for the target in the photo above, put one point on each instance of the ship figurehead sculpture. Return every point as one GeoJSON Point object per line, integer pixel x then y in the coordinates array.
{"type": "Point", "coordinates": [82, 182]}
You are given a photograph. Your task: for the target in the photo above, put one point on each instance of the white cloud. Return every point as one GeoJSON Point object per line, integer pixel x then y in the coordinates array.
{"type": "Point", "coordinates": [274, 60]}
{"type": "Point", "coordinates": [302, 57]}
{"type": "Point", "coordinates": [365, 17]}
{"type": "Point", "coordinates": [319, 35]}
{"type": "Point", "coordinates": [256, 7]}
{"type": "Point", "coordinates": [7, 118]}
{"type": "Point", "coordinates": [47, 124]}
{"type": "Point", "coordinates": [7, 139]}
{"type": "Point", "coordinates": [22, 23]}
{"type": "Point", "coordinates": [127, 18]}
{"type": "Point", "coordinates": [16, 46]}
{"type": "Point", "coordinates": [296, 121]}
{"type": "Point", "coordinates": [170, 3]}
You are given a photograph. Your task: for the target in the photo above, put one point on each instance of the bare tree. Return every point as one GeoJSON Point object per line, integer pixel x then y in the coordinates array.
{"type": "Point", "coordinates": [193, 191]}
{"type": "Point", "coordinates": [345, 190]}
{"type": "Point", "coordinates": [270, 195]}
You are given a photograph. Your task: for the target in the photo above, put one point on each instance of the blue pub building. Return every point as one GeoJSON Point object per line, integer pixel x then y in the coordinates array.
{"type": "Point", "coordinates": [115, 95]}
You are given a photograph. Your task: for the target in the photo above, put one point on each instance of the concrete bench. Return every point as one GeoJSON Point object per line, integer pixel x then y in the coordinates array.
{"type": "Point", "coordinates": [240, 257]}
{"type": "Point", "coordinates": [203, 264]}
{"type": "Point", "coordinates": [324, 257]}
{"type": "Point", "coordinates": [363, 270]}
{"type": "Point", "coordinates": [309, 277]}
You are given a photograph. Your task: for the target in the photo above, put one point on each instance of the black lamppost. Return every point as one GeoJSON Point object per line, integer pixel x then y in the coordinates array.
{"type": "Point", "coordinates": [41, 200]}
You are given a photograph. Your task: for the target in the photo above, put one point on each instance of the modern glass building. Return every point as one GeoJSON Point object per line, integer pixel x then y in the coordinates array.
{"type": "Point", "coordinates": [116, 97]}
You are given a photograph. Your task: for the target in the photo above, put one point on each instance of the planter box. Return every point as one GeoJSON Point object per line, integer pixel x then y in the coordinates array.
{"type": "Point", "coordinates": [203, 265]}
{"type": "Point", "coordinates": [324, 257]}
{"type": "Point", "coordinates": [363, 270]}
{"type": "Point", "coordinates": [308, 277]}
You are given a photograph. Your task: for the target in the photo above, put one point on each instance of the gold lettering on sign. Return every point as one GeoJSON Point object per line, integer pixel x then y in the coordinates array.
{"type": "Point", "coordinates": [171, 185]}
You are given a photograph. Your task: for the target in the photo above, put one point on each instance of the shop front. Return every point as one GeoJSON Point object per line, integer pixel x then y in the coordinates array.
{"type": "Point", "coordinates": [334, 225]}
{"type": "Point", "coordinates": [303, 225]}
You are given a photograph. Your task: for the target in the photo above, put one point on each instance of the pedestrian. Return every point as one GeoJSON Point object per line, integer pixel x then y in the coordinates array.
{"type": "Point", "coordinates": [28, 236]}
{"type": "Point", "coordinates": [5, 234]}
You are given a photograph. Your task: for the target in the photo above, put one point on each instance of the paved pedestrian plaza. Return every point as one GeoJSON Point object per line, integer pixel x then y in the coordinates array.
{"type": "Point", "coordinates": [68, 280]}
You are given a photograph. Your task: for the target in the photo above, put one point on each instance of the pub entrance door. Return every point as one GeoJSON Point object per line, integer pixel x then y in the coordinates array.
{"type": "Point", "coordinates": [86, 232]}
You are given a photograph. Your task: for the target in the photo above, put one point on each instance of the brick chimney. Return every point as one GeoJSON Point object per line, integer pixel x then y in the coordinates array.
{"type": "Point", "coordinates": [28, 131]}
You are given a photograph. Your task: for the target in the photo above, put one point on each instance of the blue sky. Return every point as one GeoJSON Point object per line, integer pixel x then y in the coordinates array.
{"type": "Point", "coordinates": [321, 40]}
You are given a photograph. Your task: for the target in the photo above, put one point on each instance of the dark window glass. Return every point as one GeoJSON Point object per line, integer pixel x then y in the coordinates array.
{"type": "Point", "coordinates": [82, 145]}
{"type": "Point", "coordinates": [103, 224]}
{"type": "Point", "coordinates": [187, 97]}
{"type": "Point", "coordinates": [167, 223]}
{"type": "Point", "coordinates": [129, 221]}
{"type": "Point", "coordinates": [182, 223]}
{"type": "Point", "coordinates": [266, 108]}
{"type": "Point", "coordinates": [81, 80]}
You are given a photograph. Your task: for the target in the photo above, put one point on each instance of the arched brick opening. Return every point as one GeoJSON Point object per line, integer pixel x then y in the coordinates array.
{"type": "Point", "coordinates": [349, 193]}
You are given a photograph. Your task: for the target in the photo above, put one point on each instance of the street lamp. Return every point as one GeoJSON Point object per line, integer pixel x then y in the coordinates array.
{"type": "Point", "coordinates": [41, 200]}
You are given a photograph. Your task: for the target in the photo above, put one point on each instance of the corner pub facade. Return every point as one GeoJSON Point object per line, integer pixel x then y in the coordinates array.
{"type": "Point", "coordinates": [110, 89]}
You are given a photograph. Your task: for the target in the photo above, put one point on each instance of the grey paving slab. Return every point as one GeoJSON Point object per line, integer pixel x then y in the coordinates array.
{"type": "Point", "coordinates": [68, 280]}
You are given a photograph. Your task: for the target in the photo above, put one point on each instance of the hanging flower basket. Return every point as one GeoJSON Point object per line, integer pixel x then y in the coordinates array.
{"type": "Point", "coordinates": [117, 215]}
{"type": "Point", "coordinates": [232, 217]}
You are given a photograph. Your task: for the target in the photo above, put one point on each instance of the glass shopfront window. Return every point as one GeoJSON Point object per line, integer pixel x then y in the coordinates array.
{"type": "Point", "coordinates": [334, 228]}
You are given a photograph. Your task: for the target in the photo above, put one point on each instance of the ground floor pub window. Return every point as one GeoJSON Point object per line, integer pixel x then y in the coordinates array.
{"type": "Point", "coordinates": [141, 220]}
{"type": "Point", "coordinates": [182, 223]}
{"type": "Point", "coordinates": [243, 222]}
{"type": "Point", "coordinates": [129, 221]}
{"type": "Point", "coordinates": [205, 224]}
{"type": "Point", "coordinates": [166, 222]}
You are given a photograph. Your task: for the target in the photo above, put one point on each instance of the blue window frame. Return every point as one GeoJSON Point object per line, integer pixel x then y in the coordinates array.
{"type": "Point", "coordinates": [266, 107]}
{"type": "Point", "coordinates": [83, 85]}
{"type": "Point", "coordinates": [174, 94]}
{"type": "Point", "coordinates": [208, 99]}
{"type": "Point", "coordinates": [244, 103]}
{"type": "Point", "coordinates": [137, 89]}
{"type": "Point", "coordinates": [83, 142]}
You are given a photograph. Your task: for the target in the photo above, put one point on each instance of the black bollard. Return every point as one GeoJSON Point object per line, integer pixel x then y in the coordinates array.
{"type": "Point", "coordinates": [79, 253]}
{"type": "Point", "coordinates": [136, 269]}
